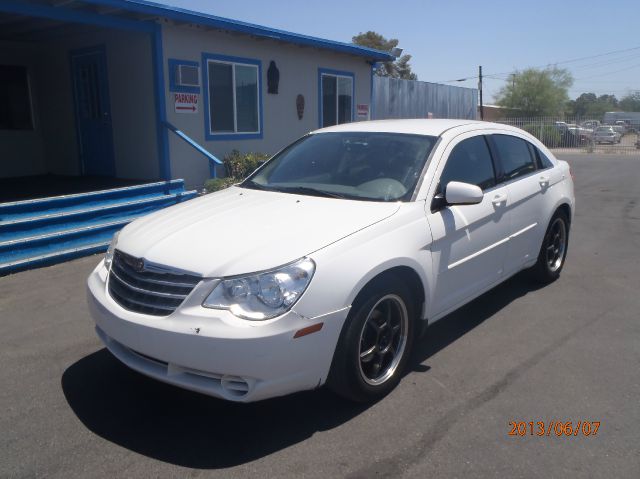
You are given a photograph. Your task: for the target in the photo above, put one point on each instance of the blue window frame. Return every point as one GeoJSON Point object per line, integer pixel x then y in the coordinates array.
{"type": "Point", "coordinates": [336, 97]}
{"type": "Point", "coordinates": [232, 97]}
{"type": "Point", "coordinates": [174, 76]}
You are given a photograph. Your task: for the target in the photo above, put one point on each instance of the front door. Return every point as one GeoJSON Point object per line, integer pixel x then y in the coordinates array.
{"type": "Point", "coordinates": [93, 112]}
{"type": "Point", "coordinates": [469, 241]}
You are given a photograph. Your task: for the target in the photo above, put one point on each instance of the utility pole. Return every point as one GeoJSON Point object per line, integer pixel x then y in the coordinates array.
{"type": "Point", "coordinates": [480, 91]}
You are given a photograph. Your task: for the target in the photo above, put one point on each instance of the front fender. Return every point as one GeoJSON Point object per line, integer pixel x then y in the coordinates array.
{"type": "Point", "coordinates": [345, 267]}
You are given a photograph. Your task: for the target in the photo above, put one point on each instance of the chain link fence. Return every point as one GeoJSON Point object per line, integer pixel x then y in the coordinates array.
{"type": "Point", "coordinates": [581, 134]}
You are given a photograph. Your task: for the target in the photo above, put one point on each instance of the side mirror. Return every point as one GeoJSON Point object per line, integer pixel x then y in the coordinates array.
{"type": "Point", "coordinates": [458, 193]}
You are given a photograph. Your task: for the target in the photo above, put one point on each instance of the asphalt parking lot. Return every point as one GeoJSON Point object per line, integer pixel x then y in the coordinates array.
{"type": "Point", "coordinates": [566, 352]}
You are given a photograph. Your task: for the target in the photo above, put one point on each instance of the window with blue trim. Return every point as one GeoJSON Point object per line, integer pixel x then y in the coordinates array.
{"type": "Point", "coordinates": [336, 99]}
{"type": "Point", "coordinates": [234, 99]}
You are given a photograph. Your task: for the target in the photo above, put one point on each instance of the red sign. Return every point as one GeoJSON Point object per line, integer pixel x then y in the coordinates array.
{"type": "Point", "coordinates": [186, 102]}
{"type": "Point", "coordinates": [363, 111]}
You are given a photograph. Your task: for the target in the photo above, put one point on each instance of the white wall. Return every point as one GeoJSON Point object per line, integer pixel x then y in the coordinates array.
{"type": "Point", "coordinates": [298, 68]}
{"type": "Point", "coordinates": [22, 151]}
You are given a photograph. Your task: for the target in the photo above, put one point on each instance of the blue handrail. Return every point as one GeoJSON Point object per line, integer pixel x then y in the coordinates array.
{"type": "Point", "coordinates": [213, 160]}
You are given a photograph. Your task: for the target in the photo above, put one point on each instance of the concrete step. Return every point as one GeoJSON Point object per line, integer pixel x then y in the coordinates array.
{"type": "Point", "coordinates": [67, 203]}
{"type": "Point", "coordinates": [66, 220]}
{"type": "Point", "coordinates": [41, 232]}
{"type": "Point", "coordinates": [53, 257]}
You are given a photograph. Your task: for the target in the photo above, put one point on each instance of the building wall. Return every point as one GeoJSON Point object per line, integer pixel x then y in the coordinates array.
{"type": "Point", "coordinates": [22, 151]}
{"type": "Point", "coordinates": [298, 68]}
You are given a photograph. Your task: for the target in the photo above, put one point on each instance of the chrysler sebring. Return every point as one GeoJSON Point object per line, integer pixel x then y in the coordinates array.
{"type": "Point", "coordinates": [325, 264]}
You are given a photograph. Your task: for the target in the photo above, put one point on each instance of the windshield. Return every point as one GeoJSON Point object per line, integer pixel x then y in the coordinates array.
{"type": "Point", "coordinates": [354, 165]}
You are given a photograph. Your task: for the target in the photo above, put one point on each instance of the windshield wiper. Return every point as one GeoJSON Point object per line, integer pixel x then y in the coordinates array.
{"type": "Point", "coordinates": [306, 190]}
{"type": "Point", "coordinates": [300, 190]}
{"type": "Point", "coordinates": [256, 186]}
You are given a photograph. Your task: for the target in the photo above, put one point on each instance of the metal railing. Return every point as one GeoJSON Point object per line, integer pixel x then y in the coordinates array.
{"type": "Point", "coordinates": [579, 134]}
{"type": "Point", "coordinates": [213, 160]}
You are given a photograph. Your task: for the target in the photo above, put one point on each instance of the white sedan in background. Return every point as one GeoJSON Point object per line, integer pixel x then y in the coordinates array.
{"type": "Point", "coordinates": [323, 266]}
{"type": "Point", "coordinates": [606, 134]}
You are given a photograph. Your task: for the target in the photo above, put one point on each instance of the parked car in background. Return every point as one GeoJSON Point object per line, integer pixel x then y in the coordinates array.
{"type": "Point", "coordinates": [325, 263]}
{"type": "Point", "coordinates": [620, 130]}
{"type": "Point", "coordinates": [606, 134]}
{"type": "Point", "coordinates": [572, 135]}
{"type": "Point", "coordinates": [590, 124]}
{"type": "Point", "coordinates": [622, 125]}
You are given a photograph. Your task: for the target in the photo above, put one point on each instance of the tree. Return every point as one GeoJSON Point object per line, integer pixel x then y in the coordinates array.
{"type": "Point", "coordinates": [590, 105]}
{"type": "Point", "coordinates": [537, 92]}
{"type": "Point", "coordinates": [630, 102]}
{"type": "Point", "coordinates": [399, 68]}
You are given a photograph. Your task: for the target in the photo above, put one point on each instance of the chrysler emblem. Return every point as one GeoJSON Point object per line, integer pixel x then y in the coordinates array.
{"type": "Point", "coordinates": [138, 264]}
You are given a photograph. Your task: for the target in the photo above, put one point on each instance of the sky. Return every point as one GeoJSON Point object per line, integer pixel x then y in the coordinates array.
{"type": "Point", "coordinates": [449, 39]}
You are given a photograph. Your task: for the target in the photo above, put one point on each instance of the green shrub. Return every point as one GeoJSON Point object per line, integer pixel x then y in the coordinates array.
{"type": "Point", "coordinates": [237, 167]}
{"type": "Point", "coordinates": [216, 184]}
{"type": "Point", "coordinates": [547, 134]}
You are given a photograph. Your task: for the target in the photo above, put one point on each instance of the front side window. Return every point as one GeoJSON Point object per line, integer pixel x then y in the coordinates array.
{"type": "Point", "coordinates": [469, 162]}
{"type": "Point", "coordinates": [371, 166]}
{"type": "Point", "coordinates": [15, 98]}
{"type": "Point", "coordinates": [336, 97]}
{"type": "Point", "coordinates": [233, 89]}
{"type": "Point", "coordinates": [514, 155]}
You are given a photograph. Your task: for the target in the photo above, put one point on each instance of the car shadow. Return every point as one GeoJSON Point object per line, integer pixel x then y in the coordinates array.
{"type": "Point", "coordinates": [192, 430]}
{"type": "Point", "coordinates": [458, 323]}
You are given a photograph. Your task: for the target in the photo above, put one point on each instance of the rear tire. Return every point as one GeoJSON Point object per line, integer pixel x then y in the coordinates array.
{"type": "Point", "coordinates": [553, 250]}
{"type": "Point", "coordinates": [375, 343]}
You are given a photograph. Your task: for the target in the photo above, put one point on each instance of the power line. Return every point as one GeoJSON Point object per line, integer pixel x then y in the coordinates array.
{"type": "Point", "coordinates": [573, 60]}
{"type": "Point", "coordinates": [609, 73]}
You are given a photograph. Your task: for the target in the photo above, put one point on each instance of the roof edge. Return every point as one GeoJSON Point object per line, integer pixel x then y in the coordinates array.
{"type": "Point", "coordinates": [201, 18]}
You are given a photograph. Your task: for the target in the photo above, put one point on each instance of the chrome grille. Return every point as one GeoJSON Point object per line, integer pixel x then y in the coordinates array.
{"type": "Point", "coordinates": [144, 291]}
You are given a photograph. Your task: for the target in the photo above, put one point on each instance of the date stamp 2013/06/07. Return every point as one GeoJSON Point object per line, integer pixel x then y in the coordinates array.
{"type": "Point", "coordinates": [554, 428]}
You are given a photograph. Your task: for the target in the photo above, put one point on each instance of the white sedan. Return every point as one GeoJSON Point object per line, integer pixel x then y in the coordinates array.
{"type": "Point", "coordinates": [325, 264]}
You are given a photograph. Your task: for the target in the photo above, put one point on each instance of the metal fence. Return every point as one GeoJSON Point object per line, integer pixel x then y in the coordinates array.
{"type": "Point", "coordinates": [395, 98]}
{"type": "Point", "coordinates": [580, 134]}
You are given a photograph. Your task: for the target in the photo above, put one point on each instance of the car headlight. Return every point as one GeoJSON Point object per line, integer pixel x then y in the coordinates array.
{"type": "Point", "coordinates": [108, 257]}
{"type": "Point", "coordinates": [263, 295]}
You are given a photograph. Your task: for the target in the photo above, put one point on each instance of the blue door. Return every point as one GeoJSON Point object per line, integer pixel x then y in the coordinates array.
{"type": "Point", "coordinates": [93, 112]}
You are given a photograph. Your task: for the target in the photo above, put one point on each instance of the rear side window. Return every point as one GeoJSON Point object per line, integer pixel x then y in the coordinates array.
{"type": "Point", "coordinates": [469, 162]}
{"type": "Point", "coordinates": [545, 162]}
{"type": "Point", "coordinates": [514, 155]}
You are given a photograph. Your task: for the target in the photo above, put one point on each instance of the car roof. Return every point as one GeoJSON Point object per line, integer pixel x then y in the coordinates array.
{"type": "Point", "coordinates": [428, 127]}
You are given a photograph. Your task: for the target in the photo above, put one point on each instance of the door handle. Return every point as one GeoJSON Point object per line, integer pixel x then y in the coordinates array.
{"type": "Point", "coordinates": [543, 180]}
{"type": "Point", "coordinates": [501, 198]}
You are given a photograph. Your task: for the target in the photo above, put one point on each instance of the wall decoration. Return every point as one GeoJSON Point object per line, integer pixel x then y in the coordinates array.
{"type": "Point", "coordinates": [300, 106]}
{"type": "Point", "coordinates": [273, 78]}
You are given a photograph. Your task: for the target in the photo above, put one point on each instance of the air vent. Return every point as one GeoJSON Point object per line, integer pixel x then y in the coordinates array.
{"type": "Point", "coordinates": [188, 75]}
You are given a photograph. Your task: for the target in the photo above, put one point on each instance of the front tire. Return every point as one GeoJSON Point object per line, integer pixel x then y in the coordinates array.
{"type": "Point", "coordinates": [375, 343]}
{"type": "Point", "coordinates": [553, 250]}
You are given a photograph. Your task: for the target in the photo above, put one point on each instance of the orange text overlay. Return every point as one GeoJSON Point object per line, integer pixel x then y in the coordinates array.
{"type": "Point", "coordinates": [554, 428]}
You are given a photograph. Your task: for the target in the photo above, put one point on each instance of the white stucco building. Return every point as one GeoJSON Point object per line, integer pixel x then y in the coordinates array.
{"type": "Point", "coordinates": [98, 88]}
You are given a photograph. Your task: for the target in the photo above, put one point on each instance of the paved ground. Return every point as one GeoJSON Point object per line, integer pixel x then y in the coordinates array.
{"type": "Point", "coordinates": [569, 351]}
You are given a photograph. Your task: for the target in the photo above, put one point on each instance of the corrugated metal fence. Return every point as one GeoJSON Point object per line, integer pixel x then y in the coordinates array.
{"type": "Point", "coordinates": [395, 98]}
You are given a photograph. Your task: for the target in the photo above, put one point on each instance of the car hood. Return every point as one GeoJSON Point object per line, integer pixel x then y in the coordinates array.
{"type": "Point", "coordinates": [239, 230]}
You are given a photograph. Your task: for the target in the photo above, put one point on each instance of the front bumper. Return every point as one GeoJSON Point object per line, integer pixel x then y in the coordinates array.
{"type": "Point", "coordinates": [212, 351]}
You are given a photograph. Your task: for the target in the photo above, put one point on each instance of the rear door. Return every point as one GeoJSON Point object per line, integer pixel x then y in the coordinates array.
{"type": "Point", "coordinates": [529, 181]}
{"type": "Point", "coordinates": [469, 241]}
